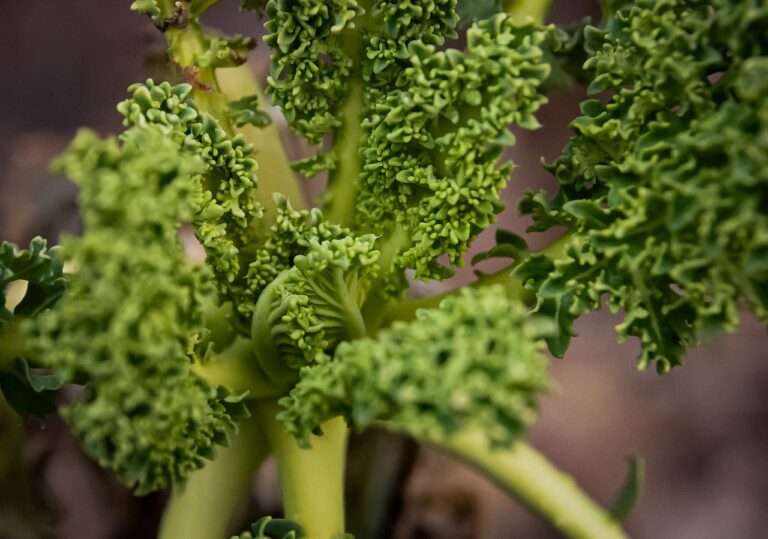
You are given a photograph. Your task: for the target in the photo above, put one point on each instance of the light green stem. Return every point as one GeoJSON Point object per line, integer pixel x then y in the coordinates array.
{"type": "Point", "coordinates": [522, 9]}
{"type": "Point", "coordinates": [312, 480]}
{"type": "Point", "coordinates": [204, 506]}
{"type": "Point", "coordinates": [343, 180]}
{"type": "Point", "coordinates": [237, 368]}
{"type": "Point", "coordinates": [184, 45]}
{"type": "Point", "coordinates": [216, 88]}
{"type": "Point", "coordinates": [529, 477]}
{"type": "Point", "coordinates": [275, 173]}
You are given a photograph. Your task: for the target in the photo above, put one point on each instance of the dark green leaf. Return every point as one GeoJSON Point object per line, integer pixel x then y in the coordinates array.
{"type": "Point", "coordinates": [508, 245]}
{"type": "Point", "coordinates": [558, 309]}
{"type": "Point", "coordinates": [473, 10]}
{"type": "Point", "coordinates": [29, 393]}
{"type": "Point", "coordinates": [41, 267]}
{"type": "Point", "coordinates": [273, 528]}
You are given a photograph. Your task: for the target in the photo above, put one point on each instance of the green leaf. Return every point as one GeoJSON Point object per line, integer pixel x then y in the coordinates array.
{"type": "Point", "coordinates": [474, 362]}
{"type": "Point", "coordinates": [27, 392]}
{"type": "Point", "coordinates": [228, 51]}
{"type": "Point", "coordinates": [130, 326]}
{"type": "Point", "coordinates": [273, 528]}
{"type": "Point", "coordinates": [588, 212]}
{"type": "Point", "coordinates": [226, 211]}
{"type": "Point", "coordinates": [631, 490]}
{"type": "Point", "coordinates": [315, 164]}
{"type": "Point", "coordinates": [559, 309]}
{"type": "Point", "coordinates": [245, 111]}
{"type": "Point", "coordinates": [40, 267]}
{"type": "Point", "coordinates": [310, 308]}
{"type": "Point", "coordinates": [508, 245]}
{"type": "Point", "coordinates": [441, 190]}
{"type": "Point", "coordinates": [470, 11]}
{"type": "Point", "coordinates": [663, 182]}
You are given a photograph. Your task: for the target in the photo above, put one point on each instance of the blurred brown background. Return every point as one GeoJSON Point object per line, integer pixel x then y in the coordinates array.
{"type": "Point", "coordinates": [703, 429]}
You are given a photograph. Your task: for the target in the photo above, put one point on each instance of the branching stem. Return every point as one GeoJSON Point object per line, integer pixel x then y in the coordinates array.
{"type": "Point", "coordinates": [275, 173]}
{"type": "Point", "coordinates": [529, 477]}
{"type": "Point", "coordinates": [205, 505]}
{"type": "Point", "coordinates": [213, 90]}
{"type": "Point", "coordinates": [312, 480]}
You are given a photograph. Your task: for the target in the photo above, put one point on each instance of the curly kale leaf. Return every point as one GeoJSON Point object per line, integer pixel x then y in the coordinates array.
{"type": "Point", "coordinates": [435, 139]}
{"type": "Point", "coordinates": [664, 183]}
{"type": "Point", "coordinates": [288, 237]}
{"type": "Point", "coordinates": [230, 51]}
{"type": "Point", "coordinates": [28, 391]}
{"type": "Point", "coordinates": [476, 361]}
{"type": "Point", "coordinates": [131, 319]}
{"type": "Point", "coordinates": [40, 267]}
{"type": "Point", "coordinates": [435, 122]}
{"type": "Point", "coordinates": [317, 48]}
{"type": "Point", "coordinates": [227, 214]}
{"type": "Point", "coordinates": [313, 306]}
{"type": "Point", "coordinates": [309, 62]}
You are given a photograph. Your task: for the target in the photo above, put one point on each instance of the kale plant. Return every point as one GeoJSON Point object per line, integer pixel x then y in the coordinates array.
{"type": "Point", "coordinates": [299, 327]}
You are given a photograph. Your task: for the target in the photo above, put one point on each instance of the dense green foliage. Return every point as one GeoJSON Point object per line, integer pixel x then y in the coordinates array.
{"type": "Point", "coordinates": [664, 183]}
{"type": "Point", "coordinates": [130, 324]}
{"type": "Point", "coordinates": [313, 306]}
{"type": "Point", "coordinates": [475, 362]}
{"type": "Point", "coordinates": [434, 123]}
{"type": "Point", "coordinates": [225, 210]}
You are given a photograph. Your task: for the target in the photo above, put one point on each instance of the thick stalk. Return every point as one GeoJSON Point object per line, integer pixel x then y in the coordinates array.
{"type": "Point", "coordinates": [375, 307]}
{"type": "Point", "coordinates": [275, 173]}
{"type": "Point", "coordinates": [312, 480]}
{"type": "Point", "coordinates": [204, 506]}
{"type": "Point", "coordinates": [529, 477]}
